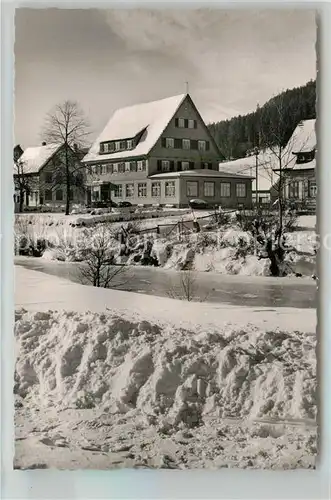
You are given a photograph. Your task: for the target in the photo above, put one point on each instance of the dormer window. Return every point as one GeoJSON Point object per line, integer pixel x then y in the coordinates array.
{"type": "Point", "coordinates": [305, 157]}
{"type": "Point", "coordinates": [116, 146]}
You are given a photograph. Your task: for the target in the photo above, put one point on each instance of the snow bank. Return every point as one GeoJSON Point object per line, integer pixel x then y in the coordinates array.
{"type": "Point", "coordinates": [165, 372]}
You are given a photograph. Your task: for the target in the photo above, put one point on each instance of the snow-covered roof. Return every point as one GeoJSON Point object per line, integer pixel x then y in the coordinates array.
{"type": "Point", "coordinates": [305, 166]}
{"type": "Point", "coordinates": [127, 122]}
{"type": "Point", "coordinates": [199, 173]}
{"type": "Point", "coordinates": [35, 158]}
{"type": "Point", "coordinates": [267, 162]}
{"type": "Point", "coordinates": [304, 137]}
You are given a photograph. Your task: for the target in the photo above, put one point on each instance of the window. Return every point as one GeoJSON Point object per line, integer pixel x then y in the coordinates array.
{"type": "Point", "coordinates": [191, 124]}
{"type": "Point", "coordinates": [111, 147]}
{"type": "Point", "coordinates": [109, 168]}
{"type": "Point", "coordinates": [141, 165]}
{"type": "Point", "coordinates": [117, 145]}
{"type": "Point", "coordinates": [59, 195]}
{"type": "Point", "coordinates": [209, 189]}
{"type": "Point", "coordinates": [48, 195]}
{"type": "Point", "coordinates": [122, 144]}
{"type": "Point", "coordinates": [48, 177]}
{"type": "Point", "coordinates": [118, 191]}
{"type": "Point", "coordinates": [104, 169]}
{"type": "Point", "coordinates": [181, 122]}
{"type": "Point", "coordinates": [165, 165]}
{"type": "Point", "coordinates": [241, 190]}
{"type": "Point", "coordinates": [186, 144]}
{"type": "Point", "coordinates": [129, 190]}
{"type": "Point", "coordinates": [115, 168]}
{"type": "Point", "coordinates": [294, 190]}
{"type": "Point", "coordinates": [170, 189]}
{"type": "Point", "coordinates": [133, 166]}
{"type": "Point", "coordinates": [312, 189]}
{"type": "Point", "coordinates": [185, 165]}
{"type": "Point", "coordinates": [127, 166]}
{"type": "Point", "coordinates": [156, 189]}
{"type": "Point", "coordinates": [59, 178]}
{"type": "Point", "coordinates": [169, 142]}
{"type": "Point", "coordinates": [105, 148]}
{"type": "Point", "coordinates": [192, 188]}
{"type": "Point", "coordinates": [121, 167]}
{"type": "Point", "coordinates": [202, 145]}
{"type": "Point", "coordinates": [142, 189]}
{"type": "Point", "coordinates": [129, 144]}
{"type": "Point", "coordinates": [225, 189]}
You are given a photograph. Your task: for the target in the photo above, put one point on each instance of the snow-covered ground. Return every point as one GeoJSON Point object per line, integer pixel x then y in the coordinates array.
{"type": "Point", "coordinates": [215, 250]}
{"type": "Point", "coordinates": [111, 379]}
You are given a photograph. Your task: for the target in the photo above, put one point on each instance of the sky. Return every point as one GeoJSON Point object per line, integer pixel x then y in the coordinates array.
{"type": "Point", "coordinates": [106, 59]}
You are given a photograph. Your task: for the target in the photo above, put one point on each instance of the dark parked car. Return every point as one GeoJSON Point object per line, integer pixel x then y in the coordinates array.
{"type": "Point", "coordinates": [197, 203]}
{"type": "Point", "coordinates": [103, 204]}
{"type": "Point", "coordinates": [124, 204]}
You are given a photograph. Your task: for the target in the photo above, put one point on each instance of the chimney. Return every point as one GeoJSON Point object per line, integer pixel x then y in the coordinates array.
{"type": "Point", "coordinates": [43, 143]}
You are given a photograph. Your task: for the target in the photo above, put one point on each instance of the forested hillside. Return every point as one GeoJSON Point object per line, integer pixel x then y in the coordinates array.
{"type": "Point", "coordinates": [241, 133]}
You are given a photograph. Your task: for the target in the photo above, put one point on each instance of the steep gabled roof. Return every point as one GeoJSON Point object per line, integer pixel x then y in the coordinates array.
{"type": "Point", "coordinates": [127, 122]}
{"type": "Point", "coordinates": [35, 158]}
{"type": "Point", "coordinates": [303, 139]}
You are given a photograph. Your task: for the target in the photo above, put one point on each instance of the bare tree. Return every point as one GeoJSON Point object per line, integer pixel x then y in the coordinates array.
{"type": "Point", "coordinates": [22, 180]}
{"type": "Point", "coordinates": [187, 288]}
{"type": "Point", "coordinates": [99, 267]}
{"type": "Point", "coordinates": [66, 124]}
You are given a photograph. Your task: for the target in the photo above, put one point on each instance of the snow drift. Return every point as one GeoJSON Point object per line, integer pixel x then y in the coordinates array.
{"type": "Point", "coordinates": [176, 374]}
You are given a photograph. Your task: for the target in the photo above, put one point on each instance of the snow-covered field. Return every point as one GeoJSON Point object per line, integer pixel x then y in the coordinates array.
{"type": "Point", "coordinates": [116, 379]}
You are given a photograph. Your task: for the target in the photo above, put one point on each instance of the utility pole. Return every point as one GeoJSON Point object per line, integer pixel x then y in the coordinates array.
{"type": "Point", "coordinates": [257, 176]}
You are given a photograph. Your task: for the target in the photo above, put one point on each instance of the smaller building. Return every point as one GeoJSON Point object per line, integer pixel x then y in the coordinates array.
{"type": "Point", "coordinates": [40, 175]}
{"type": "Point", "coordinates": [214, 187]}
{"type": "Point", "coordinates": [260, 168]}
{"type": "Point", "coordinates": [299, 185]}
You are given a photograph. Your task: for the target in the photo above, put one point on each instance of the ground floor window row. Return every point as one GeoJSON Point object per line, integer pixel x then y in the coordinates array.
{"type": "Point", "coordinates": [41, 197]}
{"type": "Point", "coordinates": [128, 190]}
{"type": "Point", "coordinates": [192, 189]}
{"type": "Point", "coordinates": [119, 168]}
{"type": "Point", "coordinates": [301, 189]}
{"type": "Point", "coordinates": [181, 165]}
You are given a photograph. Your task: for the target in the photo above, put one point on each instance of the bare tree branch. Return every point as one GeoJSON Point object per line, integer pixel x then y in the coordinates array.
{"type": "Point", "coordinates": [66, 124]}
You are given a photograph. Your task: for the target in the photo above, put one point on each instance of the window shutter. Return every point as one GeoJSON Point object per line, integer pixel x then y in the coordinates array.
{"type": "Point", "coordinates": [210, 166]}
{"type": "Point", "coordinates": [172, 166]}
{"type": "Point", "coordinates": [178, 143]}
{"type": "Point", "coordinates": [207, 145]}
{"type": "Point", "coordinates": [163, 142]}
{"type": "Point", "coordinates": [195, 124]}
{"type": "Point", "coordinates": [191, 165]}
{"type": "Point", "coordinates": [186, 123]}
{"type": "Point", "coordinates": [159, 165]}
{"type": "Point", "coordinates": [176, 122]}
{"type": "Point", "coordinates": [194, 144]}
{"type": "Point", "coordinates": [179, 166]}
